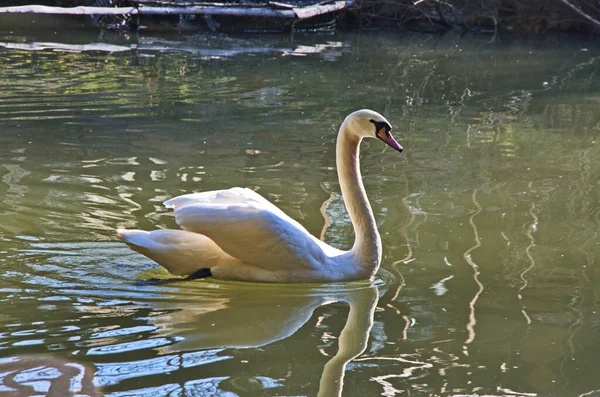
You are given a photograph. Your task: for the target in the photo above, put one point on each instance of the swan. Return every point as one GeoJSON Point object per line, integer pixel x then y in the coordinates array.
{"type": "Point", "coordinates": [237, 234]}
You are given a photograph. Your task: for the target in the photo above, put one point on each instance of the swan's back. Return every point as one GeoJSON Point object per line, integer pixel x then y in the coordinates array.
{"type": "Point", "coordinates": [248, 227]}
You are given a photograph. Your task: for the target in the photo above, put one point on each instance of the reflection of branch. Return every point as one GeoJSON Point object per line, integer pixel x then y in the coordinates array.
{"type": "Point", "coordinates": [327, 220]}
{"type": "Point", "coordinates": [583, 14]}
{"type": "Point", "coordinates": [105, 47]}
{"type": "Point", "coordinates": [454, 112]}
{"type": "Point", "coordinates": [589, 393]}
{"type": "Point", "coordinates": [407, 323]}
{"type": "Point", "coordinates": [409, 254]}
{"type": "Point", "coordinates": [467, 256]}
{"type": "Point", "coordinates": [407, 372]}
{"type": "Point", "coordinates": [412, 218]}
{"type": "Point", "coordinates": [578, 303]}
{"type": "Point", "coordinates": [530, 229]}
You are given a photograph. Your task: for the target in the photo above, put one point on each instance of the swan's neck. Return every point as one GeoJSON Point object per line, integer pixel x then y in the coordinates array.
{"type": "Point", "coordinates": [367, 243]}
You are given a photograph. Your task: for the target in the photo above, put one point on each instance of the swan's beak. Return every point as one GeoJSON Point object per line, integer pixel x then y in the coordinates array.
{"type": "Point", "coordinates": [384, 134]}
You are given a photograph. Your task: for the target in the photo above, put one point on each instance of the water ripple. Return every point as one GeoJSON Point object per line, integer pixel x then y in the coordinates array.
{"type": "Point", "coordinates": [112, 373]}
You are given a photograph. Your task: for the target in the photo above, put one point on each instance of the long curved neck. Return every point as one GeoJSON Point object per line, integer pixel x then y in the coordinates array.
{"type": "Point", "coordinates": [367, 243]}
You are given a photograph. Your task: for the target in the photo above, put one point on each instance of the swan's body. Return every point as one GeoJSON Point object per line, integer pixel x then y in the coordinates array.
{"type": "Point", "coordinates": [238, 234]}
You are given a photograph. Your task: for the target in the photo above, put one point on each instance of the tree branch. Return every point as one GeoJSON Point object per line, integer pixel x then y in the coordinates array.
{"type": "Point", "coordinates": [583, 14]}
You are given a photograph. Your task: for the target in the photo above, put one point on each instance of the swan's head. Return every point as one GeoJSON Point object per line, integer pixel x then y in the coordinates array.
{"type": "Point", "coordinates": [367, 123]}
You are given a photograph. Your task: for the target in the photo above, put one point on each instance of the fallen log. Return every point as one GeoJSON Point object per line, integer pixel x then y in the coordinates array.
{"type": "Point", "coordinates": [294, 13]}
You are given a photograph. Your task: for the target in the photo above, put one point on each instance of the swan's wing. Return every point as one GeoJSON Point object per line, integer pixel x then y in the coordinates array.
{"type": "Point", "coordinates": [235, 195]}
{"type": "Point", "coordinates": [248, 227]}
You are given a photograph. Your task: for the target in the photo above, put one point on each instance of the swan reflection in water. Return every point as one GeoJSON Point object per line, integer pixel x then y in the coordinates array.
{"type": "Point", "coordinates": [244, 315]}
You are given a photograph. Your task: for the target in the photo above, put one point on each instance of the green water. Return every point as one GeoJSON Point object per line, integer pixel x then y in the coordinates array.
{"type": "Point", "coordinates": [490, 219]}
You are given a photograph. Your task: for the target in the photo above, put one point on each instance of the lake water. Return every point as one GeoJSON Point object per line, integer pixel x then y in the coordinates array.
{"type": "Point", "coordinates": [490, 219]}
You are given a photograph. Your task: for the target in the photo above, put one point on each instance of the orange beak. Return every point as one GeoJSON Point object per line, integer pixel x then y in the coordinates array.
{"type": "Point", "coordinates": [385, 135]}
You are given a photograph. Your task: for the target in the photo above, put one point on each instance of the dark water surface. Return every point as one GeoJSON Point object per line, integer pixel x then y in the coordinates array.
{"type": "Point", "coordinates": [490, 220]}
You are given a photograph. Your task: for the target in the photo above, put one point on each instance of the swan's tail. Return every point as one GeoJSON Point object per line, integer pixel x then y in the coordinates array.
{"type": "Point", "coordinates": [178, 251]}
{"type": "Point", "coordinates": [132, 237]}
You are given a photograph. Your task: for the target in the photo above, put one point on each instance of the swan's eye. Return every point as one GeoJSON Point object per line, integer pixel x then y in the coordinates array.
{"type": "Point", "coordinates": [381, 125]}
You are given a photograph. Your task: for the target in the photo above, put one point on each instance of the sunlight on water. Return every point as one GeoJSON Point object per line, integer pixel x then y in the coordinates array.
{"type": "Point", "coordinates": [490, 219]}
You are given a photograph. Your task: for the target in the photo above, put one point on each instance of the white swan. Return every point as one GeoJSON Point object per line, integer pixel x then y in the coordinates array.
{"type": "Point", "coordinates": [237, 234]}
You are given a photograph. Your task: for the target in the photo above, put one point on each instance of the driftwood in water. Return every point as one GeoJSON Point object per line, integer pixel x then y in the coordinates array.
{"type": "Point", "coordinates": [293, 13]}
